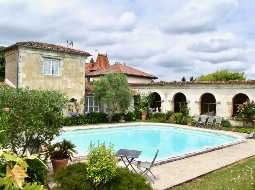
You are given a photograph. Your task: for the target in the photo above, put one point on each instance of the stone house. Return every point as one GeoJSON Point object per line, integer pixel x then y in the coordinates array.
{"type": "Point", "coordinates": [46, 66]}
{"type": "Point", "coordinates": [95, 69]}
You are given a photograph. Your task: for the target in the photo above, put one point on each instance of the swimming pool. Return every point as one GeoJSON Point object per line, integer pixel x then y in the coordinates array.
{"type": "Point", "coordinates": [171, 141]}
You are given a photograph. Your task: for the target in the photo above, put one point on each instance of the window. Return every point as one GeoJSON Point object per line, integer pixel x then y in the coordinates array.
{"type": "Point", "coordinates": [91, 105]}
{"type": "Point", "coordinates": [51, 66]}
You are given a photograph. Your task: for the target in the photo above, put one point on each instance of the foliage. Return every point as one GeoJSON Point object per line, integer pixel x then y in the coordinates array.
{"type": "Point", "coordinates": [113, 91]}
{"type": "Point", "coordinates": [35, 117]}
{"type": "Point", "coordinates": [15, 172]}
{"type": "Point", "coordinates": [102, 165]}
{"type": "Point", "coordinates": [144, 103]}
{"type": "Point", "coordinates": [177, 118]}
{"type": "Point", "coordinates": [226, 123]}
{"type": "Point", "coordinates": [90, 118]}
{"type": "Point", "coordinates": [61, 150]}
{"type": "Point", "coordinates": [126, 180]}
{"type": "Point", "coordinates": [74, 177]}
{"type": "Point", "coordinates": [239, 176]}
{"type": "Point", "coordinates": [37, 172]}
{"type": "Point", "coordinates": [2, 65]}
{"type": "Point", "coordinates": [116, 117]}
{"type": "Point", "coordinates": [4, 118]}
{"type": "Point", "coordinates": [222, 75]}
{"type": "Point", "coordinates": [160, 117]}
{"type": "Point", "coordinates": [184, 109]}
{"type": "Point", "coordinates": [130, 116]}
{"type": "Point", "coordinates": [247, 110]}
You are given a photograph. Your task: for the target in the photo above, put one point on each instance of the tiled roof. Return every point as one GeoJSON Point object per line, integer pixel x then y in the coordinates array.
{"type": "Point", "coordinates": [121, 68]}
{"type": "Point", "coordinates": [187, 83]}
{"type": "Point", "coordinates": [46, 46]}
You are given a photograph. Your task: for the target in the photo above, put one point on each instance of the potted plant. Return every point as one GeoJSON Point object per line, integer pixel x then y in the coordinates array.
{"type": "Point", "coordinates": [60, 153]}
{"type": "Point", "coordinates": [144, 106]}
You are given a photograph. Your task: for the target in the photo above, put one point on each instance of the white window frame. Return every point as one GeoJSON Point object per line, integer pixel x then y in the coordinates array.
{"type": "Point", "coordinates": [95, 107]}
{"type": "Point", "coordinates": [52, 61]}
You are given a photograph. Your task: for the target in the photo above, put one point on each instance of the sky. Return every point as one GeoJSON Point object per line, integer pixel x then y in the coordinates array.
{"type": "Point", "coordinates": [167, 38]}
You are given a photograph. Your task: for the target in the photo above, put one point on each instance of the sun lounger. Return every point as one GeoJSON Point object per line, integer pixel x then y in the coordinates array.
{"type": "Point", "coordinates": [210, 121]}
{"type": "Point", "coordinates": [218, 121]}
{"type": "Point", "coordinates": [202, 121]}
{"type": "Point", "coordinates": [251, 135]}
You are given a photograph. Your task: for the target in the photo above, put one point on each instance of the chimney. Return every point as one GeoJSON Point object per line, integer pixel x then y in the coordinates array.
{"type": "Point", "coordinates": [102, 61]}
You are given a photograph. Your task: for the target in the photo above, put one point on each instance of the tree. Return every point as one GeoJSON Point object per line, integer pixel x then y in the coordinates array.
{"type": "Point", "coordinates": [191, 79]}
{"type": "Point", "coordinates": [183, 79]}
{"type": "Point", "coordinates": [2, 65]}
{"type": "Point", "coordinates": [222, 75]}
{"type": "Point", "coordinates": [34, 118]}
{"type": "Point", "coordinates": [113, 91]}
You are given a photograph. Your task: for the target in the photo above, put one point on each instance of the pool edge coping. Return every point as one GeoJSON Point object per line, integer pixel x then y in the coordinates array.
{"type": "Point", "coordinates": [240, 137]}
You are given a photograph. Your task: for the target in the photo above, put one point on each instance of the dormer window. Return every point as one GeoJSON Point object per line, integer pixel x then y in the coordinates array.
{"type": "Point", "coordinates": [51, 66]}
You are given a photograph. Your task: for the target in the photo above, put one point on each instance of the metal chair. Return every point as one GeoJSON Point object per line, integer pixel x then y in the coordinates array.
{"type": "Point", "coordinates": [145, 167]}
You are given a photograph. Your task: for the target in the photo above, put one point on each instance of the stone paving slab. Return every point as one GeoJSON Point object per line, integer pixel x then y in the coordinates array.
{"type": "Point", "coordinates": [177, 172]}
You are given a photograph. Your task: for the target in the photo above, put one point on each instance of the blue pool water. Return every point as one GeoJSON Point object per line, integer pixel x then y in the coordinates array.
{"type": "Point", "coordinates": [170, 141]}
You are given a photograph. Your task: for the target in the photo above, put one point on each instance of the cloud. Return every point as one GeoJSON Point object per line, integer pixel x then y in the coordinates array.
{"type": "Point", "coordinates": [169, 39]}
{"type": "Point", "coordinates": [199, 16]}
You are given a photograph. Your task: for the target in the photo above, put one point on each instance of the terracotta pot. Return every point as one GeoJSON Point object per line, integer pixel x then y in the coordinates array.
{"type": "Point", "coordinates": [59, 164]}
{"type": "Point", "coordinates": [144, 116]}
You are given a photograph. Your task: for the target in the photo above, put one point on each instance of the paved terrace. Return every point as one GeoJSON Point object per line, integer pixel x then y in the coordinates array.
{"type": "Point", "coordinates": [174, 173]}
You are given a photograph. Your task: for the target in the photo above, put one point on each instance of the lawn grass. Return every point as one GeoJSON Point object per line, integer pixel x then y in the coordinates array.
{"type": "Point", "coordinates": [239, 176]}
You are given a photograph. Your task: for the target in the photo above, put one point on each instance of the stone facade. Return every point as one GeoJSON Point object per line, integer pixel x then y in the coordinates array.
{"type": "Point", "coordinates": [223, 93]}
{"type": "Point", "coordinates": [24, 68]}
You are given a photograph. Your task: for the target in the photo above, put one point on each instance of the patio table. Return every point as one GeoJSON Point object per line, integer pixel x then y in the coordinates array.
{"type": "Point", "coordinates": [129, 155]}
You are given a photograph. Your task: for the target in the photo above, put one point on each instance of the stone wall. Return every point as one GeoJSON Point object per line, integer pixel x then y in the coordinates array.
{"type": "Point", "coordinates": [11, 58]}
{"type": "Point", "coordinates": [223, 94]}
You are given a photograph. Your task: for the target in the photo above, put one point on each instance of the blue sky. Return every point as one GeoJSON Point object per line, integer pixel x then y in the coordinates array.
{"type": "Point", "coordinates": [168, 38]}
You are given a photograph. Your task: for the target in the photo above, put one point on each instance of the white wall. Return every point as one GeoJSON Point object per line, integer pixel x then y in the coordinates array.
{"type": "Point", "coordinates": [223, 93]}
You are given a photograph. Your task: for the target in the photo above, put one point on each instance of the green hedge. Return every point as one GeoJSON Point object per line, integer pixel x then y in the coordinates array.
{"type": "Point", "coordinates": [90, 118]}
{"type": "Point", "coordinates": [74, 177]}
{"type": "Point", "coordinates": [98, 117]}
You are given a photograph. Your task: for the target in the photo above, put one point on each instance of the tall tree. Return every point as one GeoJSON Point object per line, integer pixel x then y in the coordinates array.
{"type": "Point", "coordinates": [222, 75]}
{"type": "Point", "coordinates": [113, 91]}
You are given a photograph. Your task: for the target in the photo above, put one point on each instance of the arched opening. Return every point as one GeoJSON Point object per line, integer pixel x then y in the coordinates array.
{"type": "Point", "coordinates": [238, 100]}
{"type": "Point", "coordinates": [155, 102]}
{"type": "Point", "coordinates": [208, 104]}
{"type": "Point", "coordinates": [179, 102]}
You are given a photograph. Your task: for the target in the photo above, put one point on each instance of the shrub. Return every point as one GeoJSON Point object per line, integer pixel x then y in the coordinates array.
{"type": "Point", "coordinates": [74, 177]}
{"type": "Point", "coordinates": [226, 123]}
{"type": "Point", "coordinates": [247, 110]}
{"type": "Point", "coordinates": [102, 165]}
{"type": "Point", "coordinates": [35, 117]}
{"type": "Point", "coordinates": [96, 117]}
{"type": "Point", "coordinates": [116, 117]}
{"type": "Point", "coordinates": [130, 116]}
{"type": "Point", "coordinates": [126, 180]}
{"type": "Point", "coordinates": [74, 120]}
{"type": "Point", "coordinates": [157, 117]}
{"type": "Point", "coordinates": [169, 114]}
{"type": "Point", "coordinates": [90, 118]}
{"type": "Point", "coordinates": [222, 75]}
{"type": "Point", "coordinates": [37, 172]}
